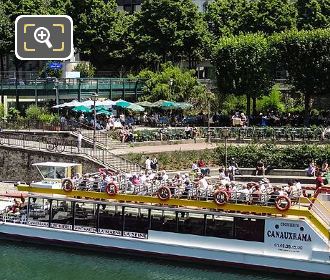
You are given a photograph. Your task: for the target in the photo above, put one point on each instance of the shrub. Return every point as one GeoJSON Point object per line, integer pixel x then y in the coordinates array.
{"type": "Point", "coordinates": [86, 70]}
{"type": "Point", "coordinates": [289, 157]}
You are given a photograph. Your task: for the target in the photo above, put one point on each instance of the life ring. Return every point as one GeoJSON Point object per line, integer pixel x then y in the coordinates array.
{"type": "Point", "coordinates": [67, 185]}
{"type": "Point", "coordinates": [280, 200]}
{"type": "Point", "coordinates": [111, 189]}
{"type": "Point", "coordinates": [220, 197]}
{"type": "Point", "coordinates": [164, 193]}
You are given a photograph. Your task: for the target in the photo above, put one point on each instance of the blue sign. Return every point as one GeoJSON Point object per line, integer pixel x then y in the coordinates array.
{"type": "Point", "coordinates": [55, 65]}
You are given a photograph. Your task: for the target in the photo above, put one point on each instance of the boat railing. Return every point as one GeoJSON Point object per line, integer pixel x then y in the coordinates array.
{"type": "Point", "coordinates": [321, 207]}
{"type": "Point", "coordinates": [193, 191]}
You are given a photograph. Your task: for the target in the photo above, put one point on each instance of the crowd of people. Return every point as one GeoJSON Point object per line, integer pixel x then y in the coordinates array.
{"type": "Point", "coordinates": [179, 119]}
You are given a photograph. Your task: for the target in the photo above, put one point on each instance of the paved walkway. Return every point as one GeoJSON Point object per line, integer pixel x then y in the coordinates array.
{"type": "Point", "coordinates": [165, 148]}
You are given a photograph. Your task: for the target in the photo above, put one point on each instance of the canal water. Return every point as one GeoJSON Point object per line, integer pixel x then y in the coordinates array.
{"type": "Point", "coordinates": [25, 262]}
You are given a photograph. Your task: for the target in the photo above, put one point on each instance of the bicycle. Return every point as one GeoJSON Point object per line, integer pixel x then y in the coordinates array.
{"type": "Point", "coordinates": [55, 145]}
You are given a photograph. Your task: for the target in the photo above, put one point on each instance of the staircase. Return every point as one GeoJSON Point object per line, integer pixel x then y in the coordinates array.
{"type": "Point", "coordinates": [102, 152]}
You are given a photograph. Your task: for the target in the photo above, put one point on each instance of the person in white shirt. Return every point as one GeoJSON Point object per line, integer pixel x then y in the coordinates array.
{"type": "Point", "coordinates": [148, 164]}
{"type": "Point", "coordinates": [79, 138]}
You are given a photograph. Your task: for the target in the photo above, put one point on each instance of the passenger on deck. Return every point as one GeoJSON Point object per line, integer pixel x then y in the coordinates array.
{"type": "Point", "coordinates": [256, 195]}
{"type": "Point", "coordinates": [311, 169]}
{"type": "Point", "coordinates": [204, 169]}
{"type": "Point", "coordinates": [273, 195]}
{"type": "Point", "coordinates": [319, 180]}
{"type": "Point", "coordinates": [260, 168]}
{"type": "Point", "coordinates": [325, 167]}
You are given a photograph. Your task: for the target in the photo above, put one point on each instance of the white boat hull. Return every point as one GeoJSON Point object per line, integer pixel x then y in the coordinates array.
{"type": "Point", "coordinates": [173, 245]}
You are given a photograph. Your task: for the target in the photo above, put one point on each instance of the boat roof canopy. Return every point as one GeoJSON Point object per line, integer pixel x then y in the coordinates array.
{"type": "Point", "coordinates": [56, 164]}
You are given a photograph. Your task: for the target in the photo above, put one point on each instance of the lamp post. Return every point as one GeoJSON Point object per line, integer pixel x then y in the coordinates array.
{"type": "Point", "coordinates": [94, 98]}
{"type": "Point", "coordinates": [57, 97]}
{"type": "Point", "coordinates": [225, 134]}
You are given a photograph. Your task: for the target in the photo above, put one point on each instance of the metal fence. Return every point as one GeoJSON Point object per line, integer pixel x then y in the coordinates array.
{"type": "Point", "coordinates": [67, 146]}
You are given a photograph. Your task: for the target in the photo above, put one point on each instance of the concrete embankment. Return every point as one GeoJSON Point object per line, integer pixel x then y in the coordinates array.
{"type": "Point", "coordinates": [16, 163]}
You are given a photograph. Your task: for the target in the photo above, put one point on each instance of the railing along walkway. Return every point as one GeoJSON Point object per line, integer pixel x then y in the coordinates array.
{"type": "Point", "coordinates": [59, 145]}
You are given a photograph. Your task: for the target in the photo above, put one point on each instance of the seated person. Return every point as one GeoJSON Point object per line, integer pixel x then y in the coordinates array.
{"type": "Point", "coordinates": [204, 169]}
{"type": "Point", "coordinates": [310, 171]}
{"type": "Point", "coordinates": [260, 168]}
{"type": "Point", "coordinates": [319, 180]}
{"type": "Point", "coordinates": [273, 195]}
{"type": "Point", "coordinates": [325, 167]}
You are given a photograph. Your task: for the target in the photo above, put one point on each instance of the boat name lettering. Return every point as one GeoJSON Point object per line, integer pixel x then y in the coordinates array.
{"type": "Point", "coordinates": [61, 226]}
{"type": "Point", "coordinates": [289, 235]}
{"type": "Point", "coordinates": [289, 225]}
{"type": "Point", "coordinates": [135, 234]}
{"type": "Point", "coordinates": [110, 231]}
{"type": "Point", "coordinates": [37, 223]}
{"type": "Point", "coordinates": [85, 229]}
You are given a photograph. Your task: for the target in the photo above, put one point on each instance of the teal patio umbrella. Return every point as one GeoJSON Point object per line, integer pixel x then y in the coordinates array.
{"type": "Point", "coordinates": [122, 103]}
{"type": "Point", "coordinates": [183, 105]}
{"type": "Point", "coordinates": [103, 112]}
{"type": "Point", "coordinates": [135, 107]}
{"type": "Point", "coordinates": [82, 109]}
{"type": "Point", "coordinates": [146, 104]}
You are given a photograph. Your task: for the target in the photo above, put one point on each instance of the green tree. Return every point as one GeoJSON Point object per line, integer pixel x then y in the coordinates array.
{"type": "Point", "coordinates": [172, 83]}
{"type": "Point", "coordinates": [273, 101]}
{"type": "Point", "coordinates": [313, 14]}
{"type": "Point", "coordinates": [233, 17]}
{"type": "Point", "coordinates": [243, 66]}
{"type": "Point", "coordinates": [306, 56]}
{"type": "Point", "coordinates": [169, 30]}
{"type": "Point", "coordinates": [86, 70]}
{"type": "Point", "coordinates": [101, 32]}
{"type": "Point", "coordinates": [6, 35]}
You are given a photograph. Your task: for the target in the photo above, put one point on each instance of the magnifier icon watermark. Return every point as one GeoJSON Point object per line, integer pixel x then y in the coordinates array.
{"type": "Point", "coordinates": [41, 35]}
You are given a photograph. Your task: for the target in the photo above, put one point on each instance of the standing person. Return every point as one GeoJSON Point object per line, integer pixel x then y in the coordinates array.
{"type": "Point", "coordinates": [148, 165]}
{"type": "Point", "coordinates": [154, 164]}
{"type": "Point", "coordinates": [319, 180]}
{"type": "Point", "coordinates": [79, 138]}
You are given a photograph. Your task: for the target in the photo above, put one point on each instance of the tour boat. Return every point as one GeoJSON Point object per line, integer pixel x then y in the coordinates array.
{"type": "Point", "coordinates": [215, 231]}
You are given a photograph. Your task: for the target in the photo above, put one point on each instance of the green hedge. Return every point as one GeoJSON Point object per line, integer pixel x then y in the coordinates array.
{"type": "Point", "coordinates": [291, 157]}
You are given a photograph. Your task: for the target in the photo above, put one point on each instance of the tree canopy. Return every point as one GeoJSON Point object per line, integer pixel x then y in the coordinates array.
{"type": "Point", "coordinates": [313, 14]}
{"type": "Point", "coordinates": [243, 65]}
{"type": "Point", "coordinates": [233, 17]}
{"type": "Point", "coordinates": [168, 30]}
{"type": "Point", "coordinates": [174, 84]}
{"type": "Point", "coordinates": [306, 56]}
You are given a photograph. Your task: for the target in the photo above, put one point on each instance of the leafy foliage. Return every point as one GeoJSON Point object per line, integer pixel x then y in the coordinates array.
{"type": "Point", "coordinates": [243, 65]}
{"type": "Point", "coordinates": [2, 111]}
{"type": "Point", "coordinates": [273, 101]}
{"type": "Point", "coordinates": [172, 83]}
{"type": "Point", "coordinates": [168, 30]}
{"type": "Point", "coordinates": [292, 157]}
{"type": "Point", "coordinates": [233, 17]}
{"type": "Point", "coordinates": [313, 14]}
{"type": "Point", "coordinates": [41, 114]}
{"type": "Point", "coordinates": [86, 70]}
{"type": "Point", "coordinates": [306, 56]}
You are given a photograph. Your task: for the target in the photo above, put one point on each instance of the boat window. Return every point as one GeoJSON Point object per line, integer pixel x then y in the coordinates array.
{"type": "Point", "coordinates": [191, 223]}
{"type": "Point", "coordinates": [47, 171]}
{"type": "Point", "coordinates": [136, 220]}
{"type": "Point", "coordinates": [110, 219]}
{"type": "Point", "coordinates": [219, 226]}
{"type": "Point", "coordinates": [85, 217]}
{"type": "Point", "coordinates": [249, 229]}
{"type": "Point", "coordinates": [62, 214]}
{"type": "Point", "coordinates": [39, 210]}
{"type": "Point", "coordinates": [60, 172]}
{"type": "Point", "coordinates": [164, 220]}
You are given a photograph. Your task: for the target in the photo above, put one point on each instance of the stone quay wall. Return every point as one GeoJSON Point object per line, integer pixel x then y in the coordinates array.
{"type": "Point", "coordinates": [16, 163]}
